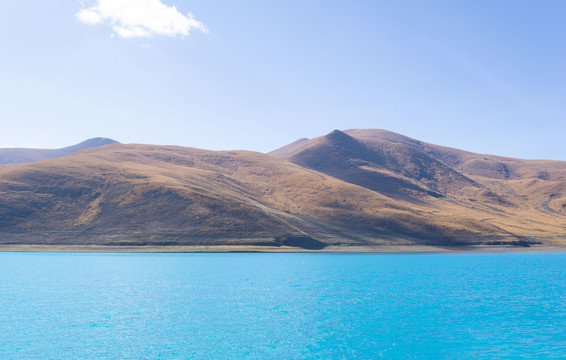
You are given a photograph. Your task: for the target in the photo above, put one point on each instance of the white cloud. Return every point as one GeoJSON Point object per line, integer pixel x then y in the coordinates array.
{"type": "Point", "coordinates": [140, 18]}
{"type": "Point", "coordinates": [88, 16]}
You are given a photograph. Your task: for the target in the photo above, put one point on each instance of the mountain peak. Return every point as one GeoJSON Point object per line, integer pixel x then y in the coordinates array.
{"type": "Point", "coordinates": [91, 143]}
{"type": "Point", "coordinates": [337, 135]}
{"type": "Point", "coordinates": [339, 138]}
{"type": "Point", "coordinates": [99, 140]}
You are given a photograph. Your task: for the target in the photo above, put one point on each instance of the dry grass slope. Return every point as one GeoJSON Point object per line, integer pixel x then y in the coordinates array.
{"type": "Point", "coordinates": [364, 188]}
{"type": "Point", "coordinates": [526, 199]}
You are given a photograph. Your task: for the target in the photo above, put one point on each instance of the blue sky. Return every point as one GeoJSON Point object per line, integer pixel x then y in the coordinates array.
{"type": "Point", "coordinates": [485, 76]}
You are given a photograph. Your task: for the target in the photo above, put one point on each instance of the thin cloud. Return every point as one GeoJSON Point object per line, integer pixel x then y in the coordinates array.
{"type": "Point", "coordinates": [140, 18]}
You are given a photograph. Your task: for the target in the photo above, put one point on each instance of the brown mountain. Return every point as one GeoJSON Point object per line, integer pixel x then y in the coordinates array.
{"type": "Point", "coordinates": [526, 198]}
{"type": "Point", "coordinates": [367, 188]}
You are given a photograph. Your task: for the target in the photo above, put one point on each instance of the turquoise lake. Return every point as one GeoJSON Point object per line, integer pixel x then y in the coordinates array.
{"type": "Point", "coordinates": [282, 306]}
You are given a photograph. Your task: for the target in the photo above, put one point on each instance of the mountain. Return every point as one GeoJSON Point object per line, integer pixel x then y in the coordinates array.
{"type": "Point", "coordinates": [393, 169]}
{"type": "Point", "coordinates": [522, 197]}
{"type": "Point", "coordinates": [23, 155]}
{"type": "Point", "coordinates": [354, 189]}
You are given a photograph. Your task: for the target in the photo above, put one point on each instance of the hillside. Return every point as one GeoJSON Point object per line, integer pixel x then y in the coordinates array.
{"type": "Point", "coordinates": [23, 155]}
{"type": "Point", "coordinates": [358, 188]}
{"type": "Point", "coordinates": [527, 198]}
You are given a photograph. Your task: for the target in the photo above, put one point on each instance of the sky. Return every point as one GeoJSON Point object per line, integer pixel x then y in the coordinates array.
{"type": "Point", "coordinates": [485, 76]}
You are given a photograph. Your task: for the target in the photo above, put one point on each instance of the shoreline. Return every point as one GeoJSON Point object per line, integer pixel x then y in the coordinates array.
{"type": "Point", "coordinates": [273, 249]}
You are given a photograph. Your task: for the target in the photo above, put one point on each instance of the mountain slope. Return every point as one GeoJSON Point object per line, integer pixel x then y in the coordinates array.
{"type": "Point", "coordinates": [344, 189]}
{"type": "Point", "coordinates": [519, 196]}
{"type": "Point", "coordinates": [536, 184]}
{"type": "Point", "coordinates": [23, 155]}
{"type": "Point", "coordinates": [140, 194]}
{"type": "Point", "coordinates": [396, 170]}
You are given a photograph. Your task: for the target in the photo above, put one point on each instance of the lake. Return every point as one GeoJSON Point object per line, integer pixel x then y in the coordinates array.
{"type": "Point", "coordinates": [282, 306]}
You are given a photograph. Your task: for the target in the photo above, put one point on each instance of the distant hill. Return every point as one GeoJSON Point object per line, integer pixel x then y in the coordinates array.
{"type": "Point", "coordinates": [344, 190]}
{"type": "Point", "coordinates": [23, 155]}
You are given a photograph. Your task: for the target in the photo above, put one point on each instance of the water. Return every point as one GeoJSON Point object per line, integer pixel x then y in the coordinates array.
{"type": "Point", "coordinates": [282, 306]}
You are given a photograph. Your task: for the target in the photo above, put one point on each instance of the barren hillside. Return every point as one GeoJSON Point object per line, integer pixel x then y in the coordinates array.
{"type": "Point", "coordinates": [355, 188]}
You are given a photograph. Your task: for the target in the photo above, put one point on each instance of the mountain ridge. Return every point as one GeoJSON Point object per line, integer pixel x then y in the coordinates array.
{"type": "Point", "coordinates": [9, 156]}
{"type": "Point", "coordinates": [344, 190]}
